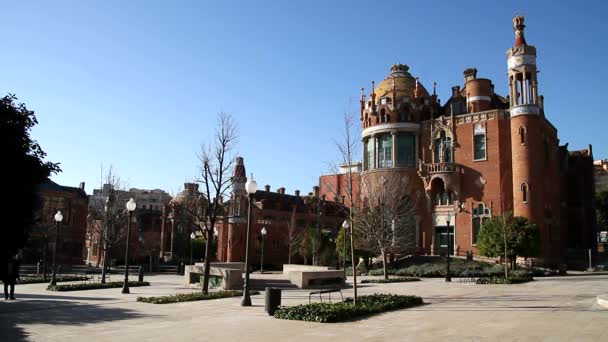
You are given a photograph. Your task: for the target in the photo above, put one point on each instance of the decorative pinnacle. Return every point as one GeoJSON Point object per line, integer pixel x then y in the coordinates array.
{"type": "Point", "coordinates": [518, 26]}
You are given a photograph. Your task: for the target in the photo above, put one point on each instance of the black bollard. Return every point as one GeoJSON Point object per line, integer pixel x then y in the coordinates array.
{"type": "Point", "coordinates": [141, 274]}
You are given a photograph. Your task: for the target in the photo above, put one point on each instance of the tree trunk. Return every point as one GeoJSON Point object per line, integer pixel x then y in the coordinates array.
{"type": "Point", "coordinates": [384, 264]}
{"type": "Point", "coordinates": [207, 267]}
{"type": "Point", "coordinates": [104, 269]}
{"type": "Point", "coordinates": [289, 256]}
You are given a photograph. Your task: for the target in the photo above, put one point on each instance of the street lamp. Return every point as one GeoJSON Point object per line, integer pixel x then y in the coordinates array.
{"type": "Point", "coordinates": [251, 186]}
{"type": "Point", "coordinates": [448, 276]}
{"type": "Point", "coordinates": [131, 205]}
{"type": "Point", "coordinates": [192, 237]}
{"type": "Point", "coordinates": [344, 227]}
{"type": "Point", "coordinates": [263, 231]}
{"type": "Point", "coordinates": [58, 219]}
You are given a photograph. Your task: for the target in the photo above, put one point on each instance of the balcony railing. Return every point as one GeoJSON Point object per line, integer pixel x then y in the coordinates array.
{"type": "Point", "coordinates": [442, 168]}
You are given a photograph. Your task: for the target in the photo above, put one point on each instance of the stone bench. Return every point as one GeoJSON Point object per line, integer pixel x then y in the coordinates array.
{"type": "Point", "coordinates": [231, 274]}
{"type": "Point", "coordinates": [304, 276]}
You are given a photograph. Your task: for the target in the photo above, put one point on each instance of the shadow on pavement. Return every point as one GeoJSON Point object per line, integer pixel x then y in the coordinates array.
{"type": "Point", "coordinates": [14, 315]}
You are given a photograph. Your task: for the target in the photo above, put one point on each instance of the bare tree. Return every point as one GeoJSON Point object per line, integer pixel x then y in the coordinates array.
{"type": "Point", "coordinates": [107, 220]}
{"type": "Point", "coordinates": [216, 163]}
{"type": "Point", "coordinates": [386, 222]}
{"type": "Point", "coordinates": [293, 233]}
{"type": "Point", "coordinates": [347, 147]}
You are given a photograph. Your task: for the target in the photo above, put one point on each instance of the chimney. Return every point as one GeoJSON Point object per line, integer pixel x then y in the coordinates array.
{"type": "Point", "coordinates": [470, 74]}
{"type": "Point", "coordinates": [315, 191]}
{"type": "Point", "coordinates": [81, 186]}
{"type": "Point", "coordinates": [281, 190]}
{"type": "Point", "coordinates": [267, 188]}
{"type": "Point", "coordinates": [456, 91]}
{"type": "Point", "coordinates": [323, 197]}
{"type": "Point", "coordinates": [297, 193]}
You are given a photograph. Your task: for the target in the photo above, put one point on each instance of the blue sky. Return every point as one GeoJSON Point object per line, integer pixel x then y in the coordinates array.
{"type": "Point", "coordinates": [138, 84]}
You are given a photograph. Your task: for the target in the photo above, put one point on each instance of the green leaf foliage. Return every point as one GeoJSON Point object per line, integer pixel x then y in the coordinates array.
{"type": "Point", "coordinates": [346, 310]}
{"type": "Point", "coordinates": [502, 280]}
{"type": "Point", "coordinates": [389, 280]}
{"type": "Point", "coordinates": [601, 210]}
{"type": "Point", "coordinates": [523, 237]}
{"type": "Point", "coordinates": [95, 286]}
{"type": "Point", "coordinates": [40, 280]}
{"type": "Point", "coordinates": [189, 297]}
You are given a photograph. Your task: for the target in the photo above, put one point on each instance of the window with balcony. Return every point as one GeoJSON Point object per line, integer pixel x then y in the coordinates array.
{"type": "Point", "coordinates": [385, 150]}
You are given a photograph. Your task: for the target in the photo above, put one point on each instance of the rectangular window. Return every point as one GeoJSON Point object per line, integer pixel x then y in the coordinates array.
{"type": "Point", "coordinates": [369, 155]}
{"type": "Point", "coordinates": [479, 141]}
{"type": "Point", "coordinates": [385, 151]}
{"type": "Point", "coordinates": [406, 150]}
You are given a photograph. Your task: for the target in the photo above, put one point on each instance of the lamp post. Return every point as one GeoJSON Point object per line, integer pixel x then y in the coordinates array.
{"type": "Point", "coordinates": [58, 219]}
{"type": "Point", "coordinates": [344, 228]}
{"type": "Point", "coordinates": [263, 231]}
{"type": "Point", "coordinates": [131, 205]}
{"type": "Point", "coordinates": [251, 186]}
{"type": "Point", "coordinates": [448, 276]}
{"type": "Point", "coordinates": [192, 237]}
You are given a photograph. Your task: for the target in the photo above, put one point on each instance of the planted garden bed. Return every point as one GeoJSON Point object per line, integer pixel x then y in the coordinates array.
{"type": "Point", "coordinates": [503, 280]}
{"type": "Point", "coordinates": [346, 310]}
{"type": "Point", "coordinates": [189, 297]}
{"type": "Point", "coordinates": [40, 280]}
{"type": "Point", "coordinates": [389, 280]}
{"type": "Point", "coordinates": [95, 286]}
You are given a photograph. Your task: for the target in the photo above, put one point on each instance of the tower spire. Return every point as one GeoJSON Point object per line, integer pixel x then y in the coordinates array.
{"type": "Point", "coordinates": [518, 26]}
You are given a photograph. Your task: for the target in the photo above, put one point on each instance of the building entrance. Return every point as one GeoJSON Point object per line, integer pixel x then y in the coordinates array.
{"type": "Point", "coordinates": [443, 239]}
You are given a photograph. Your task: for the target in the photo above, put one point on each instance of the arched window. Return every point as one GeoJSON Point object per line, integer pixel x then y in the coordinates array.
{"type": "Point", "coordinates": [524, 192]}
{"type": "Point", "coordinates": [479, 142]}
{"type": "Point", "coordinates": [404, 114]}
{"type": "Point", "coordinates": [382, 116]}
{"type": "Point", "coordinates": [479, 215]}
{"type": "Point", "coordinates": [522, 135]}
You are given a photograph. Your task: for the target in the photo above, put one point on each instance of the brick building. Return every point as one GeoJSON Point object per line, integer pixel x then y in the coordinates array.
{"type": "Point", "coordinates": [601, 174]}
{"type": "Point", "coordinates": [72, 202]}
{"type": "Point", "coordinates": [478, 155]}
{"type": "Point", "coordinates": [275, 211]}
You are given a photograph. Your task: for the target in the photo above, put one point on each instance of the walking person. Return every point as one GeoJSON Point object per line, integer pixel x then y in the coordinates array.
{"type": "Point", "coordinates": [12, 274]}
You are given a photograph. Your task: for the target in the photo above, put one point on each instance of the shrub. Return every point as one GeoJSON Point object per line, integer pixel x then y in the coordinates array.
{"type": "Point", "coordinates": [343, 311]}
{"type": "Point", "coordinates": [502, 280]}
{"type": "Point", "coordinates": [189, 297]}
{"type": "Point", "coordinates": [389, 280]}
{"type": "Point", "coordinates": [380, 272]}
{"type": "Point", "coordinates": [95, 286]}
{"type": "Point", "coordinates": [39, 280]}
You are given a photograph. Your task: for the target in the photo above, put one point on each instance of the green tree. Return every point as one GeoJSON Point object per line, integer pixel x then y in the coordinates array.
{"type": "Point", "coordinates": [601, 210]}
{"type": "Point", "coordinates": [24, 168]}
{"type": "Point", "coordinates": [522, 238]}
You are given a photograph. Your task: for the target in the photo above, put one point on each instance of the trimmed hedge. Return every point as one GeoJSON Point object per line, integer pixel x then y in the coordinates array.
{"type": "Point", "coordinates": [95, 286]}
{"type": "Point", "coordinates": [389, 280]}
{"type": "Point", "coordinates": [39, 280]}
{"type": "Point", "coordinates": [502, 280]}
{"type": "Point", "coordinates": [344, 311]}
{"type": "Point", "coordinates": [189, 297]}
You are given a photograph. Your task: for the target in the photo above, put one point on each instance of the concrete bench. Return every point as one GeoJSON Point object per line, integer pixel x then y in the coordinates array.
{"type": "Point", "coordinates": [305, 276]}
{"type": "Point", "coordinates": [230, 273]}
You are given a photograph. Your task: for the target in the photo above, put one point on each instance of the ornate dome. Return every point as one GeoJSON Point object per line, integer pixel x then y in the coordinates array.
{"type": "Point", "coordinates": [404, 82]}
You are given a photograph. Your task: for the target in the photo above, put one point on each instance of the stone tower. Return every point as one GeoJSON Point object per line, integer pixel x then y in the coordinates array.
{"type": "Point", "coordinates": [526, 121]}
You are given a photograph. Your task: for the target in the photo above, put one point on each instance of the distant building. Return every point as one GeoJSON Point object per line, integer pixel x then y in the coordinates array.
{"type": "Point", "coordinates": [601, 174]}
{"type": "Point", "coordinates": [73, 203]}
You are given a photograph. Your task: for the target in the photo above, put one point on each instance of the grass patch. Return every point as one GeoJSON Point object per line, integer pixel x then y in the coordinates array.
{"type": "Point", "coordinates": [39, 280]}
{"type": "Point", "coordinates": [389, 280]}
{"type": "Point", "coordinates": [502, 280]}
{"type": "Point", "coordinates": [344, 311]}
{"type": "Point", "coordinates": [95, 286]}
{"type": "Point", "coordinates": [189, 297]}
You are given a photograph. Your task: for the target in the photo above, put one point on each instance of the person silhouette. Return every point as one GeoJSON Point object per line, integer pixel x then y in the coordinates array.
{"type": "Point", "coordinates": [11, 276]}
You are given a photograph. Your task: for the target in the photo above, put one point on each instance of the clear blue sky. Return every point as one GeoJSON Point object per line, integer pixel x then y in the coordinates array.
{"type": "Point", "coordinates": [138, 84]}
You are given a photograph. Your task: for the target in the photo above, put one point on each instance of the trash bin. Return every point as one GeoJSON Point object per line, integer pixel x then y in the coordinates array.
{"type": "Point", "coordinates": [141, 274]}
{"type": "Point", "coordinates": [273, 300]}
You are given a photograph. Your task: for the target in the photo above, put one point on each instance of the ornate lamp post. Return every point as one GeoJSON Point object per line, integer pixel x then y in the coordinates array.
{"type": "Point", "coordinates": [251, 186]}
{"type": "Point", "coordinates": [448, 276]}
{"type": "Point", "coordinates": [192, 237]}
{"type": "Point", "coordinates": [58, 219]}
{"type": "Point", "coordinates": [263, 231]}
{"type": "Point", "coordinates": [131, 205]}
{"type": "Point", "coordinates": [344, 227]}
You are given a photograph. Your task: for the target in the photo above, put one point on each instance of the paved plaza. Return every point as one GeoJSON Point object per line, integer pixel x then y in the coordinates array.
{"type": "Point", "coordinates": [549, 309]}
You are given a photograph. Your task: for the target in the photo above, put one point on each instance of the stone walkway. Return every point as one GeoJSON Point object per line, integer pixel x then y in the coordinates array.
{"type": "Point", "coordinates": [549, 309]}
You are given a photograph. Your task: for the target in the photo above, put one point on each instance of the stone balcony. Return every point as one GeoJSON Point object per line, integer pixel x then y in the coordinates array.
{"type": "Point", "coordinates": [435, 168]}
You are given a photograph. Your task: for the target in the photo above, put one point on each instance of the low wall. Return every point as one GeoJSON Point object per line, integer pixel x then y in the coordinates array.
{"type": "Point", "coordinates": [231, 274]}
{"type": "Point", "coordinates": [295, 267]}
{"type": "Point", "coordinates": [315, 279]}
